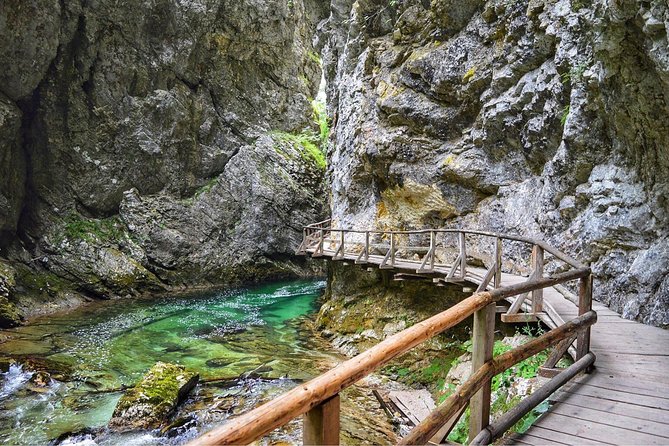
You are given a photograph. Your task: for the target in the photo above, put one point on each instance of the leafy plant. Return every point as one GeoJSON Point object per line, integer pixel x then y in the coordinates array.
{"type": "Point", "coordinates": [305, 142]}
{"type": "Point", "coordinates": [314, 57]}
{"type": "Point", "coordinates": [575, 74]}
{"type": "Point", "coordinates": [500, 384]}
{"type": "Point", "coordinates": [321, 119]}
{"type": "Point", "coordinates": [565, 115]}
{"type": "Point", "coordinates": [77, 227]}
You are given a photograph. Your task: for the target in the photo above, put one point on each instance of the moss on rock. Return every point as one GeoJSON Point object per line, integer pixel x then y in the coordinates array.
{"type": "Point", "coordinates": [154, 398]}
{"type": "Point", "coordinates": [9, 314]}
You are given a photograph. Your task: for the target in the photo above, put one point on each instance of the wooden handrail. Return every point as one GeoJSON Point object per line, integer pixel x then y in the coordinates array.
{"type": "Point", "coordinates": [540, 243]}
{"type": "Point", "coordinates": [275, 413]}
{"type": "Point", "coordinates": [430, 425]}
{"type": "Point", "coordinates": [506, 421]}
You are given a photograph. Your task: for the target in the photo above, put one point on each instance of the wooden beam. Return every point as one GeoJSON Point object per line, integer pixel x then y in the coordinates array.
{"type": "Point", "coordinates": [518, 318]}
{"type": "Point", "coordinates": [321, 424]}
{"type": "Point", "coordinates": [441, 436]}
{"type": "Point", "coordinates": [517, 304]}
{"type": "Point", "coordinates": [487, 278]}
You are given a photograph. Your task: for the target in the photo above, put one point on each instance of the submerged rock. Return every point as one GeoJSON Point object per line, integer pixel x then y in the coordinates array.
{"type": "Point", "coordinates": [154, 398]}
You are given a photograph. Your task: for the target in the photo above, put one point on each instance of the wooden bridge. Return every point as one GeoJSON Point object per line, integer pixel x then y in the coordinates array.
{"type": "Point", "coordinates": [624, 400]}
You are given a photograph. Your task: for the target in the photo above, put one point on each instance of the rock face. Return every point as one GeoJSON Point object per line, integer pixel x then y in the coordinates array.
{"type": "Point", "coordinates": [545, 118]}
{"type": "Point", "coordinates": [146, 146]}
{"type": "Point", "coordinates": [154, 398]}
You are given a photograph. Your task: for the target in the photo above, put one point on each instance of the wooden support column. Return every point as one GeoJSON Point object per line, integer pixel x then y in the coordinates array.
{"type": "Point", "coordinates": [392, 249]}
{"type": "Point", "coordinates": [321, 424]}
{"type": "Point", "coordinates": [538, 265]}
{"type": "Point", "coordinates": [584, 305]}
{"type": "Point", "coordinates": [367, 246]}
{"type": "Point", "coordinates": [482, 343]}
{"type": "Point", "coordinates": [498, 262]}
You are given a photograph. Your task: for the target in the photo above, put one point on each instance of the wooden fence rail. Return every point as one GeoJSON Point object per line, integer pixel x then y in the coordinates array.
{"type": "Point", "coordinates": [318, 399]}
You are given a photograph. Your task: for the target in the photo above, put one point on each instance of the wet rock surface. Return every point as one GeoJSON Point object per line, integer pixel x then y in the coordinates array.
{"type": "Point", "coordinates": [148, 404]}
{"type": "Point", "coordinates": [544, 118]}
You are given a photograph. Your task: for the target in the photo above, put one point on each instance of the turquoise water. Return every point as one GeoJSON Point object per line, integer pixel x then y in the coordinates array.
{"type": "Point", "coordinates": [96, 350]}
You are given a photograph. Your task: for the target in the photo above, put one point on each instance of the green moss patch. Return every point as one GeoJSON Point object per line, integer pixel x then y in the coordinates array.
{"type": "Point", "coordinates": [152, 400]}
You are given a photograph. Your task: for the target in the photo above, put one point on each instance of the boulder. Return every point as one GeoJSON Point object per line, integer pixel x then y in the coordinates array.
{"type": "Point", "coordinates": [154, 398]}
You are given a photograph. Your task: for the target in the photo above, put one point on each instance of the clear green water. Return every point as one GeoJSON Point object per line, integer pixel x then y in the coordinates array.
{"type": "Point", "coordinates": [105, 346]}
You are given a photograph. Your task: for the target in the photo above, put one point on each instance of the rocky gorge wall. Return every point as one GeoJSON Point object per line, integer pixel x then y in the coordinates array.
{"type": "Point", "coordinates": [545, 118]}
{"type": "Point", "coordinates": [151, 145]}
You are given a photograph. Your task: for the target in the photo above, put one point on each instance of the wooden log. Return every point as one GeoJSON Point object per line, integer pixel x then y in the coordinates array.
{"type": "Point", "coordinates": [483, 338]}
{"type": "Point", "coordinates": [425, 430]}
{"type": "Point", "coordinates": [322, 424]}
{"type": "Point", "coordinates": [275, 413]}
{"type": "Point", "coordinates": [503, 423]}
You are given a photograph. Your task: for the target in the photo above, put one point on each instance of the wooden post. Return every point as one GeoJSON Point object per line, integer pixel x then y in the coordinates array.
{"type": "Point", "coordinates": [538, 295]}
{"type": "Point", "coordinates": [392, 249]}
{"type": "Point", "coordinates": [366, 246]}
{"type": "Point", "coordinates": [584, 305]}
{"type": "Point", "coordinates": [342, 244]}
{"type": "Point", "coordinates": [463, 256]}
{"type": "Point", "coordinates": [482, 343]}
{"type": "Point", "coordinates": [321, 242]}
{"type": "Point", "coordinates": [432, 248]}
{"type": "Point", "coordinates": [498, 262]}
{"type": "Point", "coordinates": [321, 424]}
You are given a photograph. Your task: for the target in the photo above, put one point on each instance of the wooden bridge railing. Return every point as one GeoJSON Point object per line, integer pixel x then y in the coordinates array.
{"type": "Point", "coordinates": [318, 399]}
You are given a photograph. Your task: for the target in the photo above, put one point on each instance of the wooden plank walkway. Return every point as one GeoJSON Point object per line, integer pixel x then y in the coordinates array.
{"type": "Point", "coordinates": [624, 401]}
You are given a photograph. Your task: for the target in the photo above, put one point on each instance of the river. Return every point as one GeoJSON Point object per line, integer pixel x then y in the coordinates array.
{"type": "Point", "coordinates": [250, 342]}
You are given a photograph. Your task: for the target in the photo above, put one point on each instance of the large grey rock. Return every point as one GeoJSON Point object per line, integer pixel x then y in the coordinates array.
{"type": "Point", "coordinates": [543, 118]}
{"type": "Point", "coordinates": [150, 134]}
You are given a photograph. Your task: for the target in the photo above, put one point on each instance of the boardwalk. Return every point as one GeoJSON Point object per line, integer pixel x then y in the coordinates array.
{"type": "Point", "coordinates": [624, 401]}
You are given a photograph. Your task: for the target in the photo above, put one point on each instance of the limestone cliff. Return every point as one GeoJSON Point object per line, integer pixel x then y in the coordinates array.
{"type": "Point", "coordinates": [539, 117]}
{"type": "Point", "coordinates": [147, 145]}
